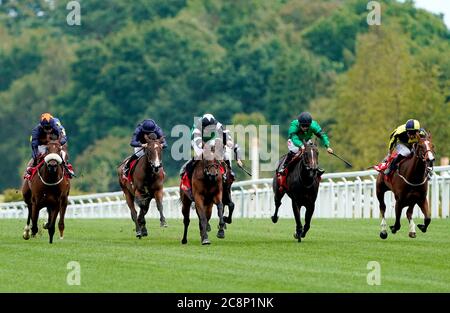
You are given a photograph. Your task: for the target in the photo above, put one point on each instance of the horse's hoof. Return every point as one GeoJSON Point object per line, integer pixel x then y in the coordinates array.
{"type": "Point", "coordinates": [138, 235]}
{"type": "Point", "coordinates": [422, 228]}
{"type": "Point", "coordinates": [303, 234]}
{"type": "Point", "coordinates": [206, 242]}
{"type": "Point", "coordinates": [298, 236]}
{"type": "Point", "coordinates": [383, 234]}
{"type": "Point", "coordinates": [227, 220]}
{"type": "Point", "coordinates": [274, 219]}
{"type": "Point", "coordinates": [208, 228]}
{"type": "Point", "coordinates": [221, 234]}
{"type": "Point", "coordinates": [61, 238]}
{"type": "Point", "coordinates": [26, 236]}
{"type": "Point", "coordinates": [163, 224]}
{"type": "Point", "coordinates": [184, 241]}
{"type": "Point", "coordinates": [144, 232]}
{"type": "Point", "coordinates": [412, 235]}
{"type": "Point", "coordinates": [393, 229]}
{"type": "Point", "coordinates": [45, 226]}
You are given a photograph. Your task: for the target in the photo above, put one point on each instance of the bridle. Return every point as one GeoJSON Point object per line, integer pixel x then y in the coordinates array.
{"type": "Point", "coordinates": [152, 146]}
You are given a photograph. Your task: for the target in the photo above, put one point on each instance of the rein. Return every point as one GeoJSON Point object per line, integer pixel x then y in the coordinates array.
{"type": "Point", "coordinates": [50, 184]}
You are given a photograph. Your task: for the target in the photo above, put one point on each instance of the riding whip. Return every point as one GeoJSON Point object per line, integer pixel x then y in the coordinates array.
{"type": "Point", "coordinates": [242, 168]}
{"type": "Point", "coordinates": [348, 164]}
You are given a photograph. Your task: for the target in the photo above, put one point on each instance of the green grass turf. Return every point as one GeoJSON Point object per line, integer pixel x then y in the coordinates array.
{"type": "Point", "coordinates": [255, 256]}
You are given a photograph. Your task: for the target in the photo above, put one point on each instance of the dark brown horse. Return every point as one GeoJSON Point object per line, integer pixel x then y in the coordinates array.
{"type": "Point", "coordinates": [302, 187]}
{"type": "Point", "coordinates": [147, 184]}
{"type": "Point", "coordinates": [409, 185]}
{"type": "Point", "coordinates": [48, 188]}
{"type": "Point", "coordinates": [207, 187]}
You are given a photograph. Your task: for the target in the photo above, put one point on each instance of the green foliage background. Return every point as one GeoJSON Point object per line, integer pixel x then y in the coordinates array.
{"type": "Point", "coordinates": [172, 60]}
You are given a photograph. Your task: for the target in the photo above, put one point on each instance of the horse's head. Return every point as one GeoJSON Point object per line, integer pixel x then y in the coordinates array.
{"type": "Point", "coordinates": [424, 150]}
{"type": "Point", "coordinates": [211, 168]}
{"type": "Point", "coordinates": [53, 157]}
{"type": "Point", "coordinates": [153, 152]}
{"type": "Point", "coordinates": [310, 158]}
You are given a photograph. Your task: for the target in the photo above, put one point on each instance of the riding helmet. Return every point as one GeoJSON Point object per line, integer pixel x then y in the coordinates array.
{"type": "Point", "coordinates": [305, 119]}
{"type": "Point", "coordinates": [47, 120]}
{"type": "Point", "coordinates": [412, 125]}
{"type": "Point", "coordinates": [148, 126]}
{"type": "Point", "coordinates": [208, 119]}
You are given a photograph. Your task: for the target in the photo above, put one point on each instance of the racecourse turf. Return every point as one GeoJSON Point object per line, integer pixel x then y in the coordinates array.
{"type": "Point", "coordinates": [255, 256]}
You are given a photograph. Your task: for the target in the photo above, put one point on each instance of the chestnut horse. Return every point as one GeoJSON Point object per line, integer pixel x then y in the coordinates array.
{"type": "Point", "coordinates": [409, 183]}
{"type": "Point", "coordinates": [48, 188]}
{"type": "Point", "coordinates": [147, 184]}
{"type": "Point", "coordinates": [207, 187]}
{"type": "Point", "coordinates": [303, 185]}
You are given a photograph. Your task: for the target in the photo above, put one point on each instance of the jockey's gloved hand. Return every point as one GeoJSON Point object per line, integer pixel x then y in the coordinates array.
{"type": "Point", "coordinates": [330, 150]}
{"type": "Point", "coordinates": [239, 162]}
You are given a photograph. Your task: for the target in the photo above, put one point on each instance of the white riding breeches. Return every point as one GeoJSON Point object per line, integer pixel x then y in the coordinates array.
{"type": "Point", "coordinates": [292, 147]}
{"type": "Point", "coordinates": [139, 151]}
{"type": "Point", "coordinates": [402, 149]}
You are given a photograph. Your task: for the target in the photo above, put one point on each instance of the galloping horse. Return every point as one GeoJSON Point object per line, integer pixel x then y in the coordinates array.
{"type": "Point", "coordinates": [409, 185]}
{"type": "Point", "coordinates": [48, 188]}
{"type": "Point", "coordinates": [146, 184]}
{"type": "Point", "coordinates": [302, 187]}
{"type": "Point", "coordinates": [207, 187]}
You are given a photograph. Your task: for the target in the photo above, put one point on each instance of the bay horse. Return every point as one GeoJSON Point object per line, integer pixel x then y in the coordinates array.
{"type": "Point", "coordinates": [48, 188]}
{"type": "Point", "coordinates": [147, 178]}
{"type": "Point", "coordinates": [302, 183]}
{"type": "Point", "coordinates": [409, 183]}
{"type": "Point", "coordinates": [207, 190]}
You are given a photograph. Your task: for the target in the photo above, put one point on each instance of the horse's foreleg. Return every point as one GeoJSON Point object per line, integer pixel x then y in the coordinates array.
{"type": "Point", "coordinates": [186, 220]}
{"type": "Point", "coordinates": [380, 195]}
{"type": "Point", "coordinates": [53, 213]}
{"type": "Point", "coordinates": [427, 215]}
{"type": "Point", "coordinates": [398, 213]}
{"type": "Point", "coordinates": [130, 202]}
{"type": "Point", "coordinates": [308, 217]}
{"type": "Point", "coordinates": [159, 205]}
{"type": "Point", "coordinates": [34, 219]}
{"type": "Point", "coordinates": [144, 205]}
{"type": "Point", "coordinates": [298, 222]}
{"type": "Point", "coordinates": [62, 213]}
{"type": "Point", "coordinates": [412, 226]}
{"type": "Point", "coordinates": [202, 222]}
{"type": "Point", "coordinates": [221, 231]}
{"type": "Point", "coordinates": [277, 206]}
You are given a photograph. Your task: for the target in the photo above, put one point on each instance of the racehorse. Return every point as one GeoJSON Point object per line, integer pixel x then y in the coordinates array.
{"type": "Point", "coordinates": [207, 188]}
{"type": "Point", "coordinates": [409, 183]}
{"type": "Point", "coordinates": [146, 183]}
{"type": "Point", "coordinates": [302, 183]}
{"type": "Point", "coordinates": [48, 188]}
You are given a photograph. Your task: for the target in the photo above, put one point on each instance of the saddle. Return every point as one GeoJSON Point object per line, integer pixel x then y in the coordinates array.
{"type": "Point", "coordinates": [282, 177]}
{"type": "Point", "coordinates": [131, 168]}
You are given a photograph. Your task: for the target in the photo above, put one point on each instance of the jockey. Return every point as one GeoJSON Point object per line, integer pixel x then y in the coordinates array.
{"type": "Point", "coordinates": [205, 129]}
{"type": "Point", "coordinates": [48, 125]}
{"type": "Point", "coordinates": [302, 130]}
{"type": "Point", "coordinates": [146, 127]}
{"type": "Point", "coordinates": [401, 141]}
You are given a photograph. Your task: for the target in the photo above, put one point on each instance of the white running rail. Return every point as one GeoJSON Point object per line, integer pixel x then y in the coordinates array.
{"type": "Point", "coordinates": [341, 195]}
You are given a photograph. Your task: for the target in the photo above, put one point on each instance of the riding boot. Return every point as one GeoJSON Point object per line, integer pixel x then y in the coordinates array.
{"type": "Point", "coordinates": [71, 172]}
{"type": "Point", "coordinates": [288, 159]}
{"type": "Point", "coordinates": [190, 168]}
{"type": "Point", "coordinates": [32, 163]}
{"type": "Point", "coordinates": [126, 168]}
{"type": "Point", "coordinates": [393, 166]}
{"type": "Point", "coordinates": [320, 171]}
